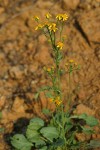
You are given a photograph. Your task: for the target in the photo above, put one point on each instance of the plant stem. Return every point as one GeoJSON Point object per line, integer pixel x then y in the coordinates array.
{"type": "Point", "coordinates": [69, 93]}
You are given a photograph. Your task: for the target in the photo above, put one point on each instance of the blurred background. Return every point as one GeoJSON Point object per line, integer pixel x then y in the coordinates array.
{"type": "Point", "coordinates": [24, 52]}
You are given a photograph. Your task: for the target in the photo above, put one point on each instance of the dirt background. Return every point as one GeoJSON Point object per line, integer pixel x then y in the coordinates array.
{"type": "Point", "coordinates": [24, 52]}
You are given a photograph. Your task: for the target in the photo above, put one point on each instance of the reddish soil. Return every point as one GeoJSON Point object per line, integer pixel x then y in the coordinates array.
{"type": "Point", "coordinates": [24, 52]}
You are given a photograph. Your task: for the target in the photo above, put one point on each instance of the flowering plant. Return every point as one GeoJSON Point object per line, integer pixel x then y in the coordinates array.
{"type": "Point", "coordinates": [59, 133]}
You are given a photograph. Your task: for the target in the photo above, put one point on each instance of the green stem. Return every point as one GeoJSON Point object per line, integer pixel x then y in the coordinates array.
{"type": "Point", "coordinates": [69, 94]}
{"type": "Point", "coordinates": [61, 31]}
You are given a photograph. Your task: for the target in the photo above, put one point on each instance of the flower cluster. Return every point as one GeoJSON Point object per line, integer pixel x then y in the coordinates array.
{"type": "Point", "coordinates": [72, 65]}
{"type": "Point", "coordinates": [52, 26]}
{"type": "Point", "coordinates": [56, 100]}
{"type": "Point", "coordinates": [60, 45]}
{"type": "Point", "coordinates": [40, 26]}
{"type": "Point", "coordinates": [71, 62]}
{"type": "Point", "coordinates": [49, 69]}
{"type": "Point", "coordinates": [62, 17]}
{"type": "Point", "coordinates": [48, 15]}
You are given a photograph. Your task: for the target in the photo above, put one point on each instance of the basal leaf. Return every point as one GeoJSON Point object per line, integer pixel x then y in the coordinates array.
{"type": "Point", "coordinates": [59, 142]}
{"type": "Point", "coordinates": [50, 133]}
{"type": "Point", "coordinates": [20, 142]}
{"type": "Point", "coordinates": [40, 142]}
{"type": "Point", "coordinates": [49, 95]}
{"type": "Point", "coordinates": [91, 121]}
{"type": "Point", "coordinates": [43, 148]}
{"type": "Point", "coordinates": [94, 144]}
{"type": "Point", "coordinates": [36, 123]}
{"type": "Point", "coordinates": [46, 111]}
{"type": "Point", "coordinates": [87, 130]}
{"type": "Point", "coordinates": [32, 135]}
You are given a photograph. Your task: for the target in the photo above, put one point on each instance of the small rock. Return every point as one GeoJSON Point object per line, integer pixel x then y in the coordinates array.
{"type": "Point", "coordinates": [2, 18]}
{"type": "Point", "coordinates": [1, 10]}
{"type": "Point", "coordinates": [82, 94]}
{"type": "Point", "coordinates": [66, 4]}
{"type": "Point", "coordinates": [81, 108]}
{"type": "Point", "coordinates": [43, 55]}
{"type": "Point", "coordinates": [83, 137]}
{"type": "Point", "coordinates": [42, 39]}
{"type": "Point", "coordinates": [91, 27]}
{"type": "Point", "coordinates": [18, 105]}
{"type": "Point", "coordinates": [17, 72]}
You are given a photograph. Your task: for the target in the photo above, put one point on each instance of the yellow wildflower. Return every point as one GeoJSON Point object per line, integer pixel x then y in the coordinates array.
{"type": "Point", "coordinates": [51, 99]}
{"type": "Point", "coordinates": [36, 18]}
{"type": "Point", "coordinates": [40, 26]}
{"type": "Point", "coordinates": [59, 16]}
{"type": "Point", "coordinates": [48, 15]}
{"type": "Point", "coordinates": [52, 27]}
{"type": "Point", "coordinates": [58, 101]}
{"type": "Point", "coordinates": [71, 60]}
{"type": "Point", "coordinates": [48, 69]}
{"type": "Point", "coordinates": [60, 45]}
{"type": "Point", "coordinates": [62, 17]}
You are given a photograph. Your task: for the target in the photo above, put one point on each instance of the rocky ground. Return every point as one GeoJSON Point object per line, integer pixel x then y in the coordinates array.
{"type": "Point", "coordinates": [24, 52]}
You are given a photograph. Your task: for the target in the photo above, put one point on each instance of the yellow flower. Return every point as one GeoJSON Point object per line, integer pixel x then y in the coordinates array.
{"type": "Point", "coordinates": [48, 69]}
{"type": "Point", "coordinates": [36, 18]}
{"type": "Point", "coordinates": [52, 27]}
{"type": "Point", "coordinates": [71, 60]}
{"type": "Point", "coordinates": [51, 99]}
{"type": "Point", "coordinates": [48, 15]}
{"type": "Point", "coordinates": [62, 17]}
{"type": "Point", "coordinates": [58, 101]}
{"type": "Point", "coordinates": [60, 45]}
{"type": "Point", "coordinates": [59, 16]}
{"type": "Point", "coordinates": [40, 26]}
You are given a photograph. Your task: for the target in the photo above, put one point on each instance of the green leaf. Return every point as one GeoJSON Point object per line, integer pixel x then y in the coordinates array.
{"type": "Point", "coordinates": [88, 130]}
{"type": "Point", "coordinates": [32, 132]}
{"type": "Point", "coordinates": [45, 88]}
{"type": "Point", "coordinates": [46, 111]}
{"type": "Point", "coordinates": [60, 56]}
{"type": "Point", "coordinates": [68, 127]}
{"type": "Point", "coordinates": [50, 133]}
{"type": "Point", "coordinates": [91, 121]}
{"type": "Point", "coordinates": [83, 116]}
{"type": "Point", "coordinates": [36, 95]}
{"type": "Point", "coordinates": [36, 123]}
{"type": "Point", "coordinates": [94, 144]}
{"type": "Point", "coordinates": [49, 95]}
{"type": "Point", "coordinates": [39, 142]}
{"type": "Point", "coordinates": [59, 142]}
{"type": "Point", "coordinates": [32, 135]}
{"type": "Point", "coordinates": [43, 148]}
{"type": "Point", "coordinates": [20, 142]}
